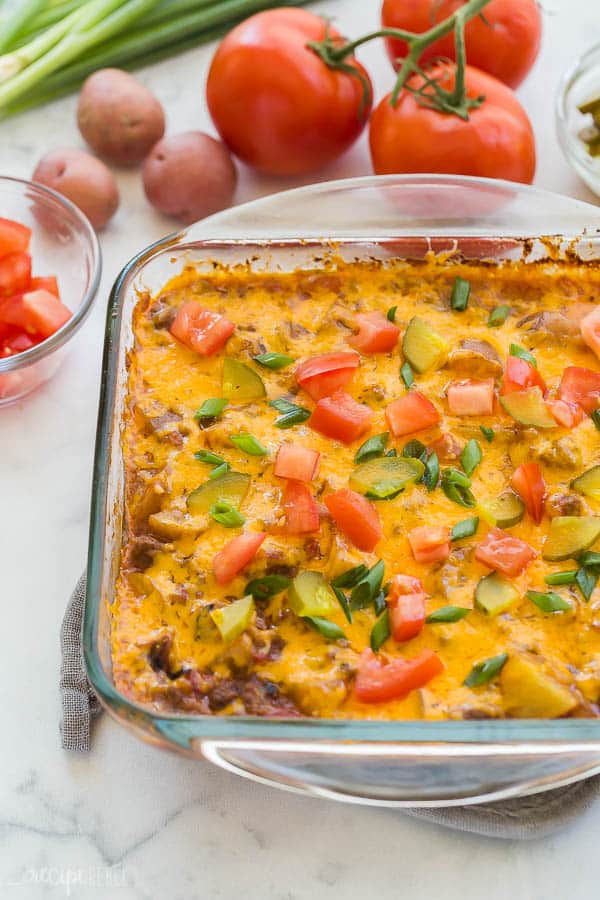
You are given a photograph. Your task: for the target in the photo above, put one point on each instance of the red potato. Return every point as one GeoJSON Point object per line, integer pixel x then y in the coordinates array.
{"type": "Point", "coordinates": [189, 176]}
{"type": "Point", "coordinates": [119, 117]}
{"type": "Point", "coordinates": [84, 180]}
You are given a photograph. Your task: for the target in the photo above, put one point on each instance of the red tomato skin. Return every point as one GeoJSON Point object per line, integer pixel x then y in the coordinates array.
{"type": "Point", "coordinates": [340, 417]}
{"type": "Point", "coordinates": [299, 463]}
{"type": "Point", "coordinates": [496, 141]}
{"type": "Point", "coordinates": [43, 314]}
{"type": "Point", "coordinates": [14, 237]}
{"type": "Point", "coordinates": [301, 511]}
{"type": "Point", "coordinates": [377, 682]}
{"type": "Point", "coordinates": [505, 553]}
{"type": "Point", "coordinates": [236, 555]}
{"type": "Point", "coordinates": [529, 484]}
{"type": "Point", "coordinates": [15, 341]}
{"type": "Point", "coordinates": [429, 544]}
{"type": "Point", "coordinates": [276, 105]}
{"type": "Point", "coordinates": [471, 398]}
{"type": "Point", "coordinates": [504, 41]}
{"type": "Point", "coordinates": [45, 283]}
{"type": "Point", "coordinates": [356, 517]}
{"type": "Point", "coordinates": [580, 386]}
{"type": "Point", "coordinates": [406, 602]}
{"type": "Point", "coordinates": [520, 375]}
{"type": "Point", "coordinates": [200, 329]}
{"type": "Point", "coordinates": [323, 375]}
{"type": "Point", "coordinates": [410, 413]}
{"type": "Point", "coordinates": [566, 414]}
{"type": "Point", "coordinates": [11, 311]}
{"type": "Point", "coordinates": [15, 273]}
{"type": "Point", "coordinates": [376, 334]}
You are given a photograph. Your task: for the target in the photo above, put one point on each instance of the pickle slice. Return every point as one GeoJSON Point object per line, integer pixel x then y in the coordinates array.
{"type": "Point", "coordinates": [385, 477]}
{"type": "Point", "coordinates": [230, 488]}
{"type": "Point", "coordinates": [504, 511]}
{"type": "Point", "coordinates": [240, 382]}
{"type": "Point", "coordinates": [423, 347]}
{"type": "Point", "coordinates": [569, 536]}
{"type": "Point", "coordinates": [588, 484]}
{"type": "Point", "coordinates": [233, 620]}
{"type": "Point", "coordinates": [310, 595]}
{"type": "Point", "coordinates": [494, 594]}
{"type": "Point", "coordinates": [528, 408]}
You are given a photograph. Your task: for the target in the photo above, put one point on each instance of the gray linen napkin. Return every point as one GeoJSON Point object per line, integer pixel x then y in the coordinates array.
{"type": "Point", "coordinates": [525, 817]}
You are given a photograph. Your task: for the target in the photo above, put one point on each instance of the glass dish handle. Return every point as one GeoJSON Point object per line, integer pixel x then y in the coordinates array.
{"type": "Point", "coordinates": [388, 775]}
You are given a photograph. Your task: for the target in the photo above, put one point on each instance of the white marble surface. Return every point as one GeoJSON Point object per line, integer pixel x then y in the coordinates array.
{"type": "Point", "coordinates": [154, 825]}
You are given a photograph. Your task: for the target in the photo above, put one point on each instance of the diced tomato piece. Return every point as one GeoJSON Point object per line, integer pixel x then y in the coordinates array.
{"type": "Point", "coordinates": [14, 237]}
{"type": "Point", "coordinates": [378, 681]}
{"type": "Point", "coordinates": [14, 343]}
{"type": "Point", "coordinates": [566, 414]}
{"type": "Point", "coordinates": [590, 330]}
{"type": "Point", "coordinates": [581, 386]}
{"type": "Point", "coordinates": [236, 555]}
{"type": "Point", "coordinates": [376, 334]}
{"type": "Point", "coordinates": [412, 412]}
{"type": "Point", "coordinates": [429, 543]}
{"type": "Point", "coordinates": [43, 313]}
{"type": "Point", "coordinates": [45, 283]}
{"type": "Point", "coordinates": [503, 552]}
{"type": "Point", "coordinates": [341, 417]}
{"type": "Point", "coordinates": [471, 398]}
{"type": "Point", "coordinates": [200, 329]}
{"type": "Point", "coordinates": [406, 602]}
{"type": "Point", "coordinates": [520, 375]}
{"type": "Point", "coordinates": [301, 511]}
{"type": "Point", "coordinates": [12, 312]}
{"type": "Point", "coordinates": [300, 463]}
{"type": "Point", "coordinates": [529, 484]}
{"type": "Point", "coordinates": [356, 517]}
{"type": "Point", "coordinates": [322, 375]}
{"type": "Point", "coordinates": [15, 273]}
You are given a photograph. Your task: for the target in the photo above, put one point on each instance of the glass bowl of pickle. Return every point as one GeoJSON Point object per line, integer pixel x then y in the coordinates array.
{"type": "Point", "coordinates": [578, 117]}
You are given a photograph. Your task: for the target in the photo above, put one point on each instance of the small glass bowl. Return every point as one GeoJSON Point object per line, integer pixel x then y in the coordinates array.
{"type": "Point", "coordinates": [579, 84]}
{"type": "Point", "coordinates": [64, 244]}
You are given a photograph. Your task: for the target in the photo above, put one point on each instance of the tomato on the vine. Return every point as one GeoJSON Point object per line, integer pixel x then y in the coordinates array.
{"type": "Point", "coordinates": [495, 141]}
{"type": "Point", "coordinates": [503, 40]}
{"type": "Point", "coordinates": [275, 103]}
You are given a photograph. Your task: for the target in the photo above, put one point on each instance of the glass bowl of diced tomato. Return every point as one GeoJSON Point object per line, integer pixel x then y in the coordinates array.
{"type": "Point", "coordinates": [49, 275]}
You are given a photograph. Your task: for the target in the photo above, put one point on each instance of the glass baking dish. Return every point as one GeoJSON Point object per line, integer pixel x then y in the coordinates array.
{"type": "Point", "coordinates": [384, 763]}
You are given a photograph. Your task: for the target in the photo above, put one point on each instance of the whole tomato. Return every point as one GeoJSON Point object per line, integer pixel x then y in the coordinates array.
{"type": "Point", "coordinates": [496, 141]}
{"type": "Point", "coordinates": [504, 40]}
{"type": "Point", "coordinates": [275, 103]}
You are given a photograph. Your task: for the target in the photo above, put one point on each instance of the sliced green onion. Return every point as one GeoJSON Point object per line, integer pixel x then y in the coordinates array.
{"type": "Point", "coordinates": [498, 316]}
{"type": "Point", "coordinates": [407, 375]}
{"type": "Point", "coordinates": [267, 586]}
{"type": "Point", "coordinates": [415, 450]}
{"type": "Point", "coordinates": [247, 443]}
{"type": "Point", "coordinates": [460, 294]}
{"type": "Point", "coordinates": [219, 471]}
{"type": "Point", "coordinates": [488, 433]}
{"type": "Point", "coordinates": [350, 578]}
{"type": "Point", "coordinates": [391, 314]}
{"type": "Point", "coordinates": [379, 602]}
{"type": "Point", "coordinates": [372, 448]}
{"type": "Point", "coordinates": [292, 414]}
{"type": "Point", "coordinates": [328, 629]}
{"type": "Point", "coordinates": [515, 350]}
{"type": "Point", "coordinates": [586, 582]}
{"type": "Point", "coordinates": [343, 601]}
{"type": "Point", "coordinates": [567, 577]}
{"type": "Point", "coordinates": [471, 457]}
{"type": "Point", "coordinates": [392, 452]}
{"type": "Point", "coordinates": [211, 408]}
{"type": "Point", "coordinates": [226, 514]}
{"type": "Point", "coordinates": [456, 487]}
{"type": "Point", "coordinates": [595, 417]}
{"type": "Point", "coordinates": [368, 587]}
{"type": "Point", "coordinates": [464, 529]}
{"type": "Point", "coordinates": [589, 560]}
{"type": "Point", "coordinates": [205, 456]}
{"type": "Point", "coordinates": [484, 671]}
{"type": "Point", "coordinates": [549, 602]}
{"type": "Point", "coordinates": [273, 360]}
{"type": "Point", "coordinates": [431, 475]}
{"type": "Point", "coordinates": [447, 614]}
{"type": "Point", "coordinates": [380, 631]}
